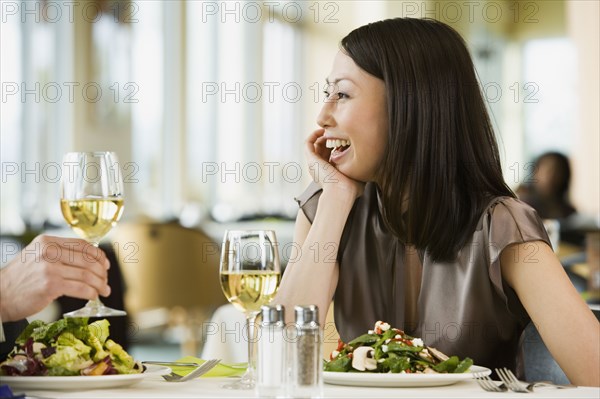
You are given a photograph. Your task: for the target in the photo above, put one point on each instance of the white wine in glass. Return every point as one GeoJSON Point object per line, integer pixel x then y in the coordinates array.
{"type": "Point", "coordinates": [248, 291]}
{"type": "Point", "coordinates": [92, 203]}
{"type": "Point", "coordinates": [92, 218]}
{"type": "Point", "coordinates": [250, 274]}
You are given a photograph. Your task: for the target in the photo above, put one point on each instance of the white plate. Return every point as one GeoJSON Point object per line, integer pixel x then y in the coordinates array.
{"type": "Point", "coordinates": [400, 380]}
{"type": "Point", "coordinates": [82, 382]}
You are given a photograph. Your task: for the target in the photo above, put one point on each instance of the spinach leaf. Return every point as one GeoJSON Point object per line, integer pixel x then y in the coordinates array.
{"type": "Point", "coordinates": [365, 339]}
{"type": "Point", "coordinates": [464, 365]}
{"type": "Point", "coordinates": [381, 341]}
{"type": "Point", "coordinates": [396, 346]}
{"type": "Point", "coordinates": [447, 366]}
{"type": "Point", "coordinates": [341, 364]}
{"type": "Point", "coordinates": [398, 364]}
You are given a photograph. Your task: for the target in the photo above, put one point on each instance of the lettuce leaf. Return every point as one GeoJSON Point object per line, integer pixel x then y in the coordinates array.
{"type": "Point", "coordinates": [24, 336]}
{"type": "Point", "coordinates": [67, 358]}
{"type": "Point", "coordinates": [99, 329]}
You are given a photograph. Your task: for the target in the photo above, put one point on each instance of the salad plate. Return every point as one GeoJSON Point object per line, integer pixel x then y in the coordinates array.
{"type": "Point", "coordinates": [80, 382]}
{"type": "Point", "coordinates": [401, 380]}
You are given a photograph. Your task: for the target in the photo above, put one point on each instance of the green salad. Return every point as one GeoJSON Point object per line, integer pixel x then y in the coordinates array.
{"type": "Point", "coordinates": [69, 346]}
{"type": "Point", "coordinates": [390, 350]}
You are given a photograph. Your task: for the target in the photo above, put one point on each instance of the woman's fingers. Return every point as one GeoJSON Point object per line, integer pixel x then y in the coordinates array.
{"type": "Point", "coordinates": [322, 171]}
{"type": "Point", "coordinates": [317, 154]}
{"type": "Point", "coordinates": [311, 143]}
{"type": "Point", "coordinates": [321, 149]}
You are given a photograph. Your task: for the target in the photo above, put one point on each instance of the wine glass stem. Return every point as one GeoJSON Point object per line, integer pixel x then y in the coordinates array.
{"type": "Point", "coordinates": [95, 303]}
{"type": "Point", "coordinates": [250, 324]}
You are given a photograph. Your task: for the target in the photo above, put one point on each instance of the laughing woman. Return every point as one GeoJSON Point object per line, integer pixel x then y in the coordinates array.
{"type": "Point", "coordinates": [409, 219]}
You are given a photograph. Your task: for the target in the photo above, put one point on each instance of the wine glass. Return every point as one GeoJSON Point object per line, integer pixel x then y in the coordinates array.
{"type": "Point", "coordinates": [250, 275]}
{"type": "Point", "coordinates": [92, 203]}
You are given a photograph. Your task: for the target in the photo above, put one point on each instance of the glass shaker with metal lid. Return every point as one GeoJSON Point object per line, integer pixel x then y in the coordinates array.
{"type": "Point", "coordinates": [306, 380]}
{"type": "Point", "coordinates": [271, 362]}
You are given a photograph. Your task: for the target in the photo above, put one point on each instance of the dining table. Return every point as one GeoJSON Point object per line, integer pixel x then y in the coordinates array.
{"type": "Point", "coordinates": [156, 387]}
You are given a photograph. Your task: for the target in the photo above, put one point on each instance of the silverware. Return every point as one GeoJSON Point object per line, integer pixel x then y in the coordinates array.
{"type": "Point", "coordinates": [515, 385]}
{"type": "Point", "coordinates": [487, 384]}
{"type": "Point", "coordinates": [202, 369]}
{"type": "Point", "coordinates": [170, 363]}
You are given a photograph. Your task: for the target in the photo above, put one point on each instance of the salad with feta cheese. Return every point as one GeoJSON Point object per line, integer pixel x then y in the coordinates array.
{"type": "Point", "coordinates": [389, 350]}
{"type": "Point", "coordinates": [68, 347]}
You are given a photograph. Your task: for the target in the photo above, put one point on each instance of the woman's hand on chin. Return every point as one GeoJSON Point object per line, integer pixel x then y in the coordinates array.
{"type": "Point", "coordinates": [326, 174]}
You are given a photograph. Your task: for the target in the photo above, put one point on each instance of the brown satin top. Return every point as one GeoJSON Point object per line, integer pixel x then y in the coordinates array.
{"type": "Point", "coordinates": [462, 308]}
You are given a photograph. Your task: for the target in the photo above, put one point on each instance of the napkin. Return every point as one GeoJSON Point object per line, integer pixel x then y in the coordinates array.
{"type": "Point", "coordinates": [220, 370]}
{"type": "Point", "coordinates": [5, 392]}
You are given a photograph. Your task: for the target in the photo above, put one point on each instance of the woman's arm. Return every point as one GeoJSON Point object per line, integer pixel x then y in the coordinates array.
{"type": "Point", "coordinates": [312, 273]}
{"type": "Point", "coordinates": [568, 327]}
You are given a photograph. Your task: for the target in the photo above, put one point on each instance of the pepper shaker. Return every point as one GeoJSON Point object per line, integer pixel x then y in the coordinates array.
{"type": "Point", "coordinates": [307, 369]}
{"type": "Point", "coordinates": [271, 371]}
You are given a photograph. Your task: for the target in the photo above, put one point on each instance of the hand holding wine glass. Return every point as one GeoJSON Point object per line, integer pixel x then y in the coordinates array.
{"type": "Point", "coordinates": [250, 274]}
{"type": "Point", "coordinates": [92, 203]}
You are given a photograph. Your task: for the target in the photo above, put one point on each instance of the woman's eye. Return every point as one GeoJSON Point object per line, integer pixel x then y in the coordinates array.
{"type": "Point", "coordinates": [334, 96]}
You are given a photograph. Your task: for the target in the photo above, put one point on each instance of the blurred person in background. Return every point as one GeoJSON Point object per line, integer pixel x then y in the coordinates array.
{"type": "Point", "coordinates": [548, 190]}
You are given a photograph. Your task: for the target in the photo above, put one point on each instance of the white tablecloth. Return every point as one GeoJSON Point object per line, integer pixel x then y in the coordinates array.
{"type": "Point", "coordinates": [156, 387]}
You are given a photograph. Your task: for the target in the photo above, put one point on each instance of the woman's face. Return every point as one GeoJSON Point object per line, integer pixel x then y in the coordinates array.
{"type": "Point", "coordinates": [354, 116]}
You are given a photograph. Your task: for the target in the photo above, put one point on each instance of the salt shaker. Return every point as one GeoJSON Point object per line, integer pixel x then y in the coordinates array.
{"type": "Point", "coordinates": [271, 367]}
{"type": "Point", "coordinates": [306, 380]}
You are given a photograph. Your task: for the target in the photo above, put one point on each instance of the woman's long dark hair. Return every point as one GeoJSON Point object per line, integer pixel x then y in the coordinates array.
{"type": "Point", "coordinates": [442, 154]}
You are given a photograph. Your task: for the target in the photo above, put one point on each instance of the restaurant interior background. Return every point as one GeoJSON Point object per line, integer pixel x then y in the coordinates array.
{"type": "Point", "coordinates": [207, 104]}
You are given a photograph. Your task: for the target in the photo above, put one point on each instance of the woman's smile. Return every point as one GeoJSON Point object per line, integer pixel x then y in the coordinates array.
{"type": "Point", "coordinates": [340, 147]}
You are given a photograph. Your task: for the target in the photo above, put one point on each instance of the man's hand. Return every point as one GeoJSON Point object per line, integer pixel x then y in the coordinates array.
{"type": "Point", "coordinates": [48, 268]}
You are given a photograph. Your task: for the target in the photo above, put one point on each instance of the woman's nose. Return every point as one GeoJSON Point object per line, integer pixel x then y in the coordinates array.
{"type": "Point", "coordinates": [325, 119]}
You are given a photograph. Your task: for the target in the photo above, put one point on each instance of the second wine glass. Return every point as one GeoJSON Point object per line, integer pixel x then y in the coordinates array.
{"type": "Point", "coordinates": [250, 274]}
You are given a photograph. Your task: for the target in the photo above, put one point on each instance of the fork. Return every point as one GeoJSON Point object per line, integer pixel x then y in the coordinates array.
{"type": "Point", "coordinates": [203, 369]}
{"type": "Point", "coordinates": [161, 363]}
{"type": "Point", "coordinates": [488, 384]}
{"type": "Point", "coordinates": [515, 385]}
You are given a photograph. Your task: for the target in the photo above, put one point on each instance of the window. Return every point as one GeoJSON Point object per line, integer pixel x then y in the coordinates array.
{"type": "Point", "coordinates": [212, 116]}
{"type": "Point", "coordinates": [148, 130]}
{"type": "Point", "coordinates": [35, 115]}
{"type": "Point", "coordinates": [243, 143]}
{"type": "Point", "coordinates": [10, 143]}
{"type": "Point", "coordinates": [281, 133]}
{"type": "Point", "coordinates": [549, 94]}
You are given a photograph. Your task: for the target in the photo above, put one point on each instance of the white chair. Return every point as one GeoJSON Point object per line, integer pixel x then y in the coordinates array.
{"type": "Point", "coordinates": [226, 336]}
